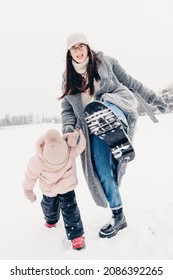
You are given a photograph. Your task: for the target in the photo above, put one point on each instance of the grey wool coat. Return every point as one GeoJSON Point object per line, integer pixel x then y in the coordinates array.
{"type": "Point", "coordinates": [118, 87]}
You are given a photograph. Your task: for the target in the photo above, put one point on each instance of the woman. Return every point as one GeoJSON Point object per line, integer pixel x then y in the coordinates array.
{"type": "Point", "coordinates": [92, 76]}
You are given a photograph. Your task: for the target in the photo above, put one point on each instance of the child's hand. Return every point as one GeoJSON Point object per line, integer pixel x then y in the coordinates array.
{"type": "Point", "coordinates": [30, 195]}
{"type": "Point", "coordinates": [72, 138]}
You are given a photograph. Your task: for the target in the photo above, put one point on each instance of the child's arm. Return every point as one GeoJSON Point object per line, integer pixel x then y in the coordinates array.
{"type": "Point", "coordinates": [31, 176]}
{"type": "Point", "coordinates": [30, 195]}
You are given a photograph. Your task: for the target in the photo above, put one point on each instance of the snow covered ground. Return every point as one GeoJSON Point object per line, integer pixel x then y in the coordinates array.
{"type": "Point", "coordinates": [147, 193]}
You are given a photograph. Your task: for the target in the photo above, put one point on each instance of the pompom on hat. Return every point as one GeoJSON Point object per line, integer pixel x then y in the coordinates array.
{"type": "Point", "coordinates": [76, 38]}
{"type": "Point", "coordinates": [55, 150]}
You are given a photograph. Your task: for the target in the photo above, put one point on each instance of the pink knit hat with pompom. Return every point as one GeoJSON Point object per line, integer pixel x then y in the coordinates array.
{"type": "Point", "coordinates": [55, 149]}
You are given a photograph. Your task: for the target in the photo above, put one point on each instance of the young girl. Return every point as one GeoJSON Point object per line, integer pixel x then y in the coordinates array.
{"type": "Point", "coordinates": [93, 76]}
{"type": "Point", "coordinates": [54, 165]}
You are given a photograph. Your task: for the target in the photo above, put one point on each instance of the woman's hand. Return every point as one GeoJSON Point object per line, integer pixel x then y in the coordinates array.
{"type": "Point", "coordinates": [71, 138]}
{"type": "Point", "coordinates": [160, 104]}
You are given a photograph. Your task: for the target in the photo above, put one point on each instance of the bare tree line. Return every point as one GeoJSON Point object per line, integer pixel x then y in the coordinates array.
{"type": "Point", "coordinates": [11, 120]}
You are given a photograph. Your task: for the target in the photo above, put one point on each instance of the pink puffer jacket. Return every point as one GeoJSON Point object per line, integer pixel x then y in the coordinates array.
{"type": "Point", "coordinates": [51, 180]}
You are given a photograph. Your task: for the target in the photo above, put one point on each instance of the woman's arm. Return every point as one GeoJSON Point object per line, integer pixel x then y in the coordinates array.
{"type": "Point", "coordinates": [67, 116]}
{"type": "Point", "coordinates": [81, 145]}
{"type": "Point", "coordinates": [69, 123]}
{"type": "Point", "coordinates": [134, 85]}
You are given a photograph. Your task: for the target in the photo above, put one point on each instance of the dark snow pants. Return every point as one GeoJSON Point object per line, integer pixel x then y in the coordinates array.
{"type": "Point", "coordinates": [66, 203]}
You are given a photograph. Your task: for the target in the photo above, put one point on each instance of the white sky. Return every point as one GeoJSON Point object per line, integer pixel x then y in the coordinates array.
{"type": "Point", "coordinates": [138, 33]}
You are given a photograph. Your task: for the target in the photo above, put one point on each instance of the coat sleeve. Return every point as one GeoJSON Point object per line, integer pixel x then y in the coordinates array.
{"type": "Point", "coordinates": [134, 85]}
{"type": "Point", "coordinates": [67, 116]}
{"type": "Point", "coordinates": [80, 147]}
{"type": "Point", "coordinates": [31, 174]}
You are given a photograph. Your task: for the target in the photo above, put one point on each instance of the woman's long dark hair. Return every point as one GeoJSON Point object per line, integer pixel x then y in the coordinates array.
{"type": "Point", "coordinates": [75, 82]}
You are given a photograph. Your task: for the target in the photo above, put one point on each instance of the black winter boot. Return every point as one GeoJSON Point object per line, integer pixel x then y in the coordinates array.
{"type": "Point", "coordinates": [118, 222]}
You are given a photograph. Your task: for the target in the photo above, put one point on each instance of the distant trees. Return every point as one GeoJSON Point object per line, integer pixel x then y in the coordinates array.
{"type": "Point", "coordinates": [9, 120]}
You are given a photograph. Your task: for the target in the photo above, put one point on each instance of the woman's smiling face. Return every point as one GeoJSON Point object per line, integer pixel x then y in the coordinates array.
{"type": "Point", "coordinates": [79, 52]}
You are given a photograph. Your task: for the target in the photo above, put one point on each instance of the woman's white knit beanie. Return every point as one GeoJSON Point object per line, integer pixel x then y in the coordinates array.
{"type": "Point", "coordinates": [76, 38]}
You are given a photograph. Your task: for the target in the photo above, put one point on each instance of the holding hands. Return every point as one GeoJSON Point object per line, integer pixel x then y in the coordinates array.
{"type": "Point", "coordinates": [72, 138]}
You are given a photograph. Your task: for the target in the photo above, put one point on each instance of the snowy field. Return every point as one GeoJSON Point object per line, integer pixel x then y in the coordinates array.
{"type": "Point", "coordinates": [147, 193]}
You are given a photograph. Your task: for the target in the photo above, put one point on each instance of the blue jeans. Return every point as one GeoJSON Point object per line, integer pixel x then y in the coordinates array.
{"type": "Point", "coordinates": [117, 111]}
{"type": "Point", "coordinates": [106, 165]}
